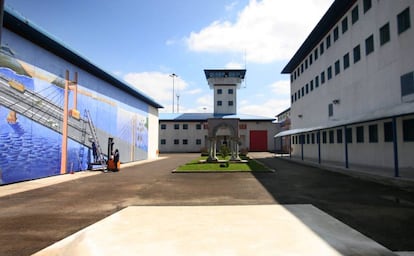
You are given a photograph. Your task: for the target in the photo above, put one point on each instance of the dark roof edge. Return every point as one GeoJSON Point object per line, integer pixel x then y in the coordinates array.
{"type": "Point", "coordinates": [24, 28]}
{"type": "Point", "coordinates": [328, 21]}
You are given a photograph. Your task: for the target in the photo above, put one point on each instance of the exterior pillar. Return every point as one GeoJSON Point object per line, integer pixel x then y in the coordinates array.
{"type": "Point", "coordinates": [346, 148]}
{"type": "Point", "coordinates": [212, 150]}
{"type": "Point", "coordinates": [395, 145]}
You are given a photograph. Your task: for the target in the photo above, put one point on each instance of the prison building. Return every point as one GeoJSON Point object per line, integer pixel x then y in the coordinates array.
{"type": "Point", "coordinates": [352, 88]}
{"type": "Point", "coordinates": [201, 132]}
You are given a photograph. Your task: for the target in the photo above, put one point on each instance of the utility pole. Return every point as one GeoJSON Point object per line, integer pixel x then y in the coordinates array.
{"type": "Point", "coordinates": [178, 103]}
{"type": "Point", "coordinates": [173, 75]}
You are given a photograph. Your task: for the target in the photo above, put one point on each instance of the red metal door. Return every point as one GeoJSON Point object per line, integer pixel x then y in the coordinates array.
{"type": "Point", "coordinates": [258, 141]}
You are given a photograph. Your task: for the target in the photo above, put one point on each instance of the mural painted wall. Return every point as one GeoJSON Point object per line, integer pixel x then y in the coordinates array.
{"type": "Point", "coordinates": [31, 110]}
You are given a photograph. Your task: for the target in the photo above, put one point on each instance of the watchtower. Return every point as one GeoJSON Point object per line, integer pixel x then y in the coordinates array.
{"type": "Point", "coordinates": [225, 83]}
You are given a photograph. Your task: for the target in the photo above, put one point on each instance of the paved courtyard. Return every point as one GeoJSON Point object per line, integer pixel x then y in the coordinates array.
{"type": "Point", "coordinates": [34, 219]}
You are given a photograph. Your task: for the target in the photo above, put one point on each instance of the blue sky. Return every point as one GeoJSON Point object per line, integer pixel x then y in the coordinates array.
{"type": "Point", "coordinates": [143, 42]}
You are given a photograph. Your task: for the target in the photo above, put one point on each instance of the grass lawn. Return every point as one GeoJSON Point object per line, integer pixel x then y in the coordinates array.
{"type": "Point", "coordinates": [196, 166]}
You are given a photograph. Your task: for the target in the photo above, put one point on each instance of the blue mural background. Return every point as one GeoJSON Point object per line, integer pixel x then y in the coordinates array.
{"type": "Point", "coordinates": [29, 150]}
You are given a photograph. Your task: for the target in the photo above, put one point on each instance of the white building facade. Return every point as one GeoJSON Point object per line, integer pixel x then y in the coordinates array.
{"type": "Point", "coordinates": [197, 132]}
{"type": "Point", "coordinates": [352, 87]}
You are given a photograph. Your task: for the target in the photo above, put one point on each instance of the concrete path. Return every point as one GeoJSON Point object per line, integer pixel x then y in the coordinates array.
{"type": "Point", "coordinates": [35, 219]}
{"type": "Point", "coordinates": [218, 230]}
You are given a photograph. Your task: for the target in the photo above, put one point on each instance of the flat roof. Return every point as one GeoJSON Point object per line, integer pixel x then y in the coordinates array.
{"type": "Point", "coordinates": [403, 109]}
{"type": "Point", "coordinates": [238, 73]}
{"type": "Point", "coordinates": [201, 117]}
{"type": "Point", "coordinates": [26, 29]}
{"type": "Point", "coordinates": [335, 12]}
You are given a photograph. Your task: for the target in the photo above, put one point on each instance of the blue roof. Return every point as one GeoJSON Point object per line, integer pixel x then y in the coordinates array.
{"type": "Point", "coordinates": [205, 116]}
{"type": "Point", "coordinates": [26, 29]}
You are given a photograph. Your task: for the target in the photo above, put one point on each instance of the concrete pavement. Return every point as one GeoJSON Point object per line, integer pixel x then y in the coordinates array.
{"type": "Point", "coordinates": [35, 219]}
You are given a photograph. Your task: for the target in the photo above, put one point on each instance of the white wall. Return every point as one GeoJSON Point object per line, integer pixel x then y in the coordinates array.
{"type": "Point", "coordinates": [372, 83]}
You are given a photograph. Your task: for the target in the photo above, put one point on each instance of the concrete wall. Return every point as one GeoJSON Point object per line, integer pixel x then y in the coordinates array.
{"type": "Point", "coordinates": [192, 134]}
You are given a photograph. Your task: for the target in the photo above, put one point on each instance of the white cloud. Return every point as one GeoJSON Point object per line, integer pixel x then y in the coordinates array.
{"type": "Point", "coordinates": [157, 85]}
{"type": "Point", "coordinates": [234, 65]}
{"type": "Point", "coordinates": [281, 88]}
{"type": "Point", "coordinates": [231, 6]}
{"type": "Point", "coordinates": [266, 31]}
{"type": "Point", "coordinates": [269, 108]}
{"type": "Point", "coordinates": [193, 92]}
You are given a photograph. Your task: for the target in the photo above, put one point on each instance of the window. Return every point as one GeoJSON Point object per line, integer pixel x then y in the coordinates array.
{"type": "Point", "coordinates": [337, 67]}
{"type": "Point", "coordinates": [219, 103]}
{"type": "Point", "coordinates": [367, 5]}
{"type": "Point", "coordinates": [369, 45]}
{"type": "Point", "coordinates": [385, 34]}
{"type": "Point", "coordinates": [313, 138]}
{"type": "Point", "coordinates": [176, 126]}
{"type": "Point", "coordinates": [328, 41]}
{"type": "Point", "coordinates": [329, 72]}
{"type": "Point", "coordinates": [408, 130]}
{"type": "Point", "coordinates": [198, 142]}
{"type": "Point", "coordinates": [407, 84]}
{"type": "Point", "coordinates": [230, 91]}
{"type": "Point", "coordinates": [307, 88]}
{"type": "Point", "coordinates": [185, 126]}
{"type": "Point", "coordinates": [219, 91]}
{"type": "Point", "coordinates": [323, 77]}
{"type": "Point", "coordinates": [299, 94]}
{"type": "Point", "coordinates": [296, 96]}
{"type": "Point", "coordinates": [301, 68]}
{"type": "Point", "coordinates": [331, 137]}
{"type": "Point", "coordinates": [310, 59]}
{"type": "Point", "coordinates": [185, 141]}
{"type": "Point", "coordinates": [303, 91]}
{"type": "Point", "coordinates": [346, 61]}
{"type": "Point", "coordinates": [388, 134]}
{"type": "Point", "coordinates": [330, 109]}
{"type": "Point", "coordinates": [348, 133]}
{"type": "Point", "coordinates": [360, 134]}
{"type": "Point", "coordinates": [373, 133]}
{"type": "Point", "coordinates": [357, 53]}
{"type": "Point", "coordinates": [321, 48]}
{"type": "Point", "coordinates": [231, 103]}
{"type": "Point", "coordinates": [163, 126]}
{"type": "Point", "coordinates": [324, 137]}
{"type": "Point", "coordinates": [198, 126]}
{"type": "Point", "coordinates": [344, 25]}
{"type": "Point", "coordinates": [315, 53]}
{"type": "Point", "coordinates": [336, 34]}
{"type": "Point", "coordinates": [355, 14]}
{"type": "Point", "coordinates": [311, 85]}
{"type": "Point", "coordinates": [316, 81]}
{"type": "Point", "coordinates": [403, 20]}
{"type": "Point", "coordinates": [339, 136]}
{"type": "Point", "coordinates": [307, 138]}
{"type": "Point", "coordinates": [176, 142]}
{"type": "Point", "coordinates": [163, 142]}
{"type": "Point", "coordinates": [306, 64]}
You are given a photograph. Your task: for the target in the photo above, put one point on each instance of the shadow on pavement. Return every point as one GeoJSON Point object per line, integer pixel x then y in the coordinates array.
{"type": "Point", "coordinates": [383, 213]}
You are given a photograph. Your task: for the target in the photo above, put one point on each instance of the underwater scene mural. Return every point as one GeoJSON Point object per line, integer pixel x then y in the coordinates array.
{"type": "Point", "coordinates": [31, 114]}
